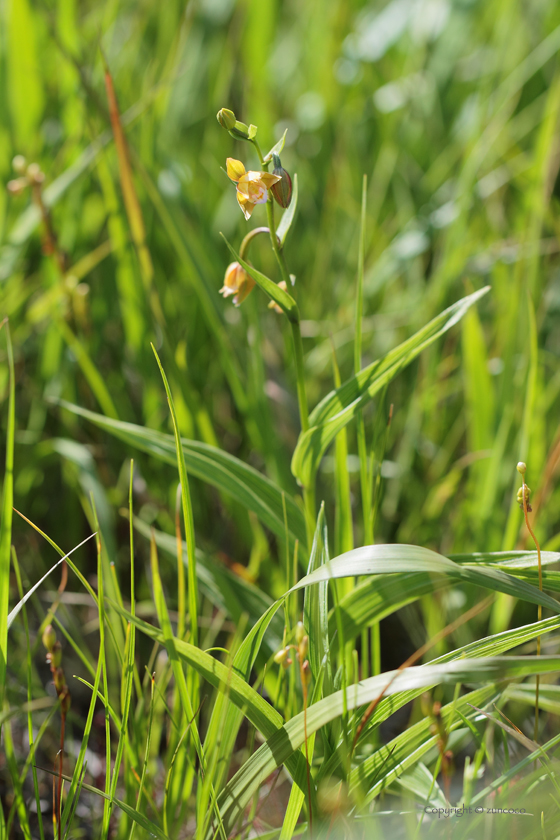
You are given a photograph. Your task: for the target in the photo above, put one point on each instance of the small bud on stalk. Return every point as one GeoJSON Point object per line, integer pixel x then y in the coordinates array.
{"type": "Point", "coordinates": [19, 165]}
{"type": "Point", "coordinates": [49, 637]}
{"type": "Point", "coordinates": [282, 190]}
{"type": "Point", "coordinates": [226, 118]}
{"type": "Point", "coordinates": [300, 632]}
{"type": "Point", "coordinates": [524, 495]}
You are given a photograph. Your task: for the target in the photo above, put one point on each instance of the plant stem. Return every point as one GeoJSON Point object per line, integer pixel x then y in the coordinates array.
{"type": "Point", "coordinates": [308, 492]}
{"type": "Point", "coordinates": [539, 609]}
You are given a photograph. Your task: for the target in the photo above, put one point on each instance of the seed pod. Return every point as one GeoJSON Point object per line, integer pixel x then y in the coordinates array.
{"type": "Point", "coordinates": [282, 189]}
{"type": "Point", "coordinates": [306, 673]}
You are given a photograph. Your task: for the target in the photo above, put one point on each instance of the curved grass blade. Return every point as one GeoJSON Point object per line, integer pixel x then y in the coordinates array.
{"type": "Point", "coordinates": [283, 743]}
{"type": "Point", "coordinates": [336, 410]}
{"type": "Point", "coordinates": [27, 596]}
{"type": "Point", "coordinates": [377, 771]}
{"type": "Point", "coordinates": [383, 559]}
{"type": "Point", "coordinates": [214, 466]}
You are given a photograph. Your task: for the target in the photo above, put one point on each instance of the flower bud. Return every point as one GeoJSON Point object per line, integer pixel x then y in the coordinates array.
{"type": "Point", "coordinates": [235, 169]}
{"type": "Point", "coordinates": [303, 646]}
{"type": "Point", "coordinates": [226, 118]}
{"type": "Point", "coordinates": [524, 494]}
{"type": "Point", "coordinates": [34, 173]}
{"type": "Point", "coordinates": [522, 467]}
{"type": "Point", "coordinates": [55, 655]}
{"type": "Point", "coordinates": [59, 680]}
{"type": "Point", "coordinates": [282, 189]}
{"type": "Point", "coordinates": [17, 186]}
{"type": "Point", "coordinates": [306, 673]}
{"type": "Point", "coordinates": [281, 657]}
{"type": "Point", "coordinates": [49, 637]}
{"type": "Point", "coordinates": [19, 164]}
{"type": "Point", "coordinates": [240, 131]}
{"type": "Point", "coordinates": [300, 632]}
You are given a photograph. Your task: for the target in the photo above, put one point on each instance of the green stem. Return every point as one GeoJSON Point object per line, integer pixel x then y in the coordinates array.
{"type": "Point", "coordinates": [308, 492]}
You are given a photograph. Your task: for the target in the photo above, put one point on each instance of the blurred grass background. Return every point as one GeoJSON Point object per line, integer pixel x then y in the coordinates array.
{"type": "Point", "coordinates": [450, 108]}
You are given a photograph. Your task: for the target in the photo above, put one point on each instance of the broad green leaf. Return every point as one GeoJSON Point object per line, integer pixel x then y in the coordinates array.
{"type": "Point", "coordinates": [214, 466]}
{"type": "Point", "coordinates": [336, 410]}
{"type": "Point", "coordinates": [238, 792]}
{"type": "Point", "coordinates": [289, 214]}
{"type": "Point", "coordinates": [284, 299]}
{"type": "Point", "coordinates": [508, 559]}
{"type": "Point", "coordinates": [382, 595]}
{"type": "Point", "coordinates": [383, 559]}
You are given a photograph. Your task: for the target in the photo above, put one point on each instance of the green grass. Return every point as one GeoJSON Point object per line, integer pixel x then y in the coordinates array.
{"type": "Point", "coordinates": [348, 461]}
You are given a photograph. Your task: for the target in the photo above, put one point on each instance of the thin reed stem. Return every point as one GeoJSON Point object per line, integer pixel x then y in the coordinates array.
{"type": "Point", "coordinates": [539, 608]}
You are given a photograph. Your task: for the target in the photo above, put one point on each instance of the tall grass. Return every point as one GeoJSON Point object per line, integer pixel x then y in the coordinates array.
{"type": "Point", "coordinates": [348, 462]}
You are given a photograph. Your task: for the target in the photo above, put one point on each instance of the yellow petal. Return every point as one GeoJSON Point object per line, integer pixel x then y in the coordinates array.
{"type": "Point", "coordinates": [245, 205]}
{"type": "Point", "coordinates": [235, 169]}
{"type": "Point", "coordinates": [269, 179]}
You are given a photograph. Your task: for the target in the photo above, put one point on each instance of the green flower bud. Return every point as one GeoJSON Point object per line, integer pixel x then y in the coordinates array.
{"type": "Point", "coordinates": [19, 164]}
{"type": "Point", "coordinates": [226, 118]}
{"type": "Point", "coordinates": [522, 467]}
{"type": "Point", "coordinates": [34, 173]}
{"type": "Point", "coordinates": [300, 632]}
{"type": "Point", "coordinates": [306, 673]}
{"type": "Point", "coordinates": [49, 637]}
{"type": "Point", "coordinates": [282, 189]}
{"type": "Point", "coordinates": [303, 646]}
{"type": "Point", "coordinates": [281, 657]}
{"type": "Point", "coordinates": [524, 493]}
{"type": "Point", "coordinates": [240, 131]}
{"type": "Point", "coordinates": [55, 655]}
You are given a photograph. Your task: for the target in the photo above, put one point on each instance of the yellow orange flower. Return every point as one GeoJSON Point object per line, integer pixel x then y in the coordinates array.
{"type": "Point", "coordinates": [237, 282]}
{"type": "Point", "coordinates": [252, 187]}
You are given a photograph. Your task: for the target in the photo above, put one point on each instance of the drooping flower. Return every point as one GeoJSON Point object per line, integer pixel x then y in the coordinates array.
{"type": "Point", "coordinates": [237, 282]}
{"type": "Point", "coordinates": [252, 186]}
